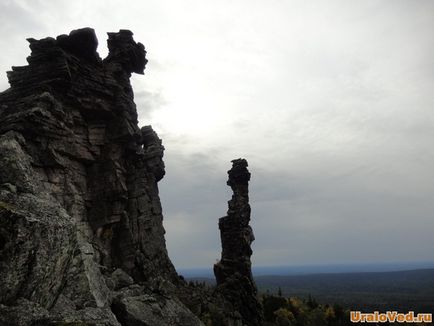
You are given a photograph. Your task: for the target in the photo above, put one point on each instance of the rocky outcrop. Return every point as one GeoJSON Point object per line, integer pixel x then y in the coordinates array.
{"type": "Point", "coordinates": [233, 272]}
{"type": "Point", "coordinates": [81, 233]}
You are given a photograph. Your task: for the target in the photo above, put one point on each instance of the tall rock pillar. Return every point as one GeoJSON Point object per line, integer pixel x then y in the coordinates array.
{"type": "Point", "coordinates": [233, 272]}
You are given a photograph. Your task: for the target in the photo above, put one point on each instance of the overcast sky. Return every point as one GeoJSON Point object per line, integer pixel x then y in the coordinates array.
{"type": "Point", "coordinates": [331, 102]}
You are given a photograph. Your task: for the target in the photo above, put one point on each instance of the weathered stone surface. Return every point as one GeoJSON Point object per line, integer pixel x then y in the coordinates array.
{"type": "Point", "coordinates": [22, 313]}
{"type": "Point", "coordinates": [152, 310]}
{"type": "Point", "coordinates": [121, 279]}
{"type": "Point", "coordinates": [233, 272]}
{"type": "Point", "coordinates": [36, 234]}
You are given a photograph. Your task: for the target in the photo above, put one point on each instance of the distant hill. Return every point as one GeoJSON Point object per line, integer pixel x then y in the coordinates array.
{"type": "Point", "coordinates": [368, 291]}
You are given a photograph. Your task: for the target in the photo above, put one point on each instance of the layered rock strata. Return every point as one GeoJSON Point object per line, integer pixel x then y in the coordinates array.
{"type": "Point", "coordinates": [81, 233]}
{"type": "Point", "coordinates": [233, 272]}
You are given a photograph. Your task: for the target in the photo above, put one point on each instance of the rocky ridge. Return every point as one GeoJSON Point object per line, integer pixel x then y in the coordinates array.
{"type": "Point", "coordinates": [81, 233]}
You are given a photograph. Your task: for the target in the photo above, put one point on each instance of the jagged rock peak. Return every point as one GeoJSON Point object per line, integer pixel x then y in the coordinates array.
{"type": "Point", "coordinates": [56, 63]}
{"type": "Point", "coordinates": [83, 43]}
{"type": "Point", "coordinates": [80, 42]}
{"type": "Point", "coordinates": [124, 50]}
{"type": "Point", "coordinates": [238, 175]}
{"type": "Point", "coordinates": [233, 272]}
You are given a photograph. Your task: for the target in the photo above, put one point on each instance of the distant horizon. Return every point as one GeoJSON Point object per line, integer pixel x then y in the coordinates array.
{"type": "Point", "coordinates": [330, 264]}
{"type": "Point", "coordinates": [319, 268]}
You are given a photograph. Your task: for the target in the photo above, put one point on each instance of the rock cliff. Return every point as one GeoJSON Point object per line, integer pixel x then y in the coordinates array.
{"type": "Point", "coordinates": [81, 233]}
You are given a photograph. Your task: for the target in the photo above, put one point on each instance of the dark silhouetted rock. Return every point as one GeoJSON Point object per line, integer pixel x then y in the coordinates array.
{"type": "Point", "coordinates": [233, 272]}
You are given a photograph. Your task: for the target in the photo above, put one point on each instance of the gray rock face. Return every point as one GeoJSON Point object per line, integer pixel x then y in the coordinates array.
{"type": "Point", "coordinates": [153, 310]}
{"type": "Point", "coordinates": [80, 214]}
{"type": "Point", "coordinates": [233, 272]}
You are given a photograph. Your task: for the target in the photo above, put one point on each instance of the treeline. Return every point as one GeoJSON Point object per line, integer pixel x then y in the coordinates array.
{"type": "Point", "coordinates": [282, 311]}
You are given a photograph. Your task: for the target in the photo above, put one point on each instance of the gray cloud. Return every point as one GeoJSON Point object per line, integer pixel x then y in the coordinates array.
{"type": "Point", "coordinates": [18, 23]}
{"type": "Point", "coordinates": [298, 219]}
{"type": "Point", "coordinates": [147, 103]}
